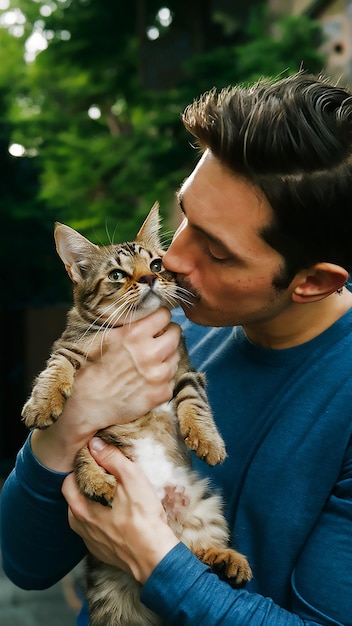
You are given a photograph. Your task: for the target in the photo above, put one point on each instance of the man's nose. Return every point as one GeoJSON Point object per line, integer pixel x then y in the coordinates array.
{"type": "Point", "coordinates": [178, 257]}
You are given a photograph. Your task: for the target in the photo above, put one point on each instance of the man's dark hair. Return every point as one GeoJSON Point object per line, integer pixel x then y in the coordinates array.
{"type": "Point", "coordinates": [293, 139]}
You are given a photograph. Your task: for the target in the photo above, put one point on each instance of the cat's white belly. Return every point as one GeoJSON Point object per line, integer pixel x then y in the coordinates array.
{"type": "Point", "coordinates": [150, 455]}
{"type": "Point", "coordinates": [195, 515]}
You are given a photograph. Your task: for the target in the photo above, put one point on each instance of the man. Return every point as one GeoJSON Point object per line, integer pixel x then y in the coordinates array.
{"type": "Point", "coordinates": [265, 247]}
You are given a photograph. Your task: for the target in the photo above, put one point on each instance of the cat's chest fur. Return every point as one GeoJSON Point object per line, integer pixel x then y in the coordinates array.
{"type": "Point", "coordinates": [156, 460]}
{"type": "Point", "coordinates": [154, 443]}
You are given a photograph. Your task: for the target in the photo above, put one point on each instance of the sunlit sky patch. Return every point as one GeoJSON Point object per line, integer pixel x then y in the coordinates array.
{"type": "Point", "coordinates": [94, 112]}
{"type": "Point", "coordinates": [164, 18]}
{"type": "Point", "coordinates": [17, 150]}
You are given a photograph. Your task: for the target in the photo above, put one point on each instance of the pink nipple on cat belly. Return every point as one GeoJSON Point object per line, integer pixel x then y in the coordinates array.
{"type": "Point", "coordinates": [174, 501]}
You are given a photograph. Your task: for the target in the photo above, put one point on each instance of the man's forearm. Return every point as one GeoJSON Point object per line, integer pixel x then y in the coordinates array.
{"type": "Point", "coordinates": [38, 547]}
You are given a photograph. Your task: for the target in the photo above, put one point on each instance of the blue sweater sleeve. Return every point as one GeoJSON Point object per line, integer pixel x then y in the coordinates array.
{"type": "Point", "coordinates": [37, 553]}
{"type": "Point", "coordinates": [198, 598]}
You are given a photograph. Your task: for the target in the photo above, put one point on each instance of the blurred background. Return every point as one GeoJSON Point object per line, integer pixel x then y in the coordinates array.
{"type": "Point", "coordinates": [91, 93]}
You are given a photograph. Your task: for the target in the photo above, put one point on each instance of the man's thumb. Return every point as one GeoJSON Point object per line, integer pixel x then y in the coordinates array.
{"type": "Point", "coordinates": [103, 453]}
{"type": "Point", "coordinates": [111, 459]}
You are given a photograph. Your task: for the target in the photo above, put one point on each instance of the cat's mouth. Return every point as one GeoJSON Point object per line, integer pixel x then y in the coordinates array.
{"type": "Point", "coordinates": [156, 297]}
{"type": "Point", "coordinates": [152, 300]}
{"type": "Point", "coordinates": [149, 297]}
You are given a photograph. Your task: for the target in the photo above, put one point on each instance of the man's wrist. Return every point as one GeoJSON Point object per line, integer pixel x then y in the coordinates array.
{"type": "Point", "coordinates": [153, 556]}
{"type": "Point", "coordinates": [52, 451]}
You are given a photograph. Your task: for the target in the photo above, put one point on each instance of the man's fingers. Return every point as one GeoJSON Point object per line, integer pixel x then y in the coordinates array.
{"type": "Point", "coordinates": [109, 457]}
{"type": "Point", "coordinates": [152, 324]}
{"type": "Point", "coordinates": [75, 500]}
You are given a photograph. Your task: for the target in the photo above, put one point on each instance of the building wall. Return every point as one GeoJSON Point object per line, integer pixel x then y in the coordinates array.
{"type": "Point", "coordinates": [335, 17]}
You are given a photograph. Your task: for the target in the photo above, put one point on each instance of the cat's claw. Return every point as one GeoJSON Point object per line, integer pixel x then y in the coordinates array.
{"type": "Point", "coordinates": [228, 564]}
{"type": "Point", "coordinates": [209, 449]}
{"type": "Point", "coordinates": [41, 420]}
{"type": "Point", "coordinates": [104, 493]}
{"type": "Point", "coordinates": [92, 480]}
{"type": "Point", "coordinates": [42, 409]}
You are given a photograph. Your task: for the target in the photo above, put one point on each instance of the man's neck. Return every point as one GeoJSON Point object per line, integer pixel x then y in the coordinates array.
{"type": "Point", "coordinates": [300, 322]}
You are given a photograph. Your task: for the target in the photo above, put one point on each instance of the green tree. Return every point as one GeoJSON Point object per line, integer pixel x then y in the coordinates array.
{"type": "Point", "coordinates": [26, 235]}
{"type": "Point", "coordinates": [103, 173]}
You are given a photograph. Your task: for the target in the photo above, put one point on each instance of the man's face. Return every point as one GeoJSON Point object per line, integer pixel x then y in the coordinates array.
{"type": "Point", "coordinates": [218, 254]}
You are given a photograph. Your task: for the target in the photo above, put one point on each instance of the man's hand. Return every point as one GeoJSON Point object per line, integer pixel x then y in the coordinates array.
{"type": "Point", "coordinates": [133, 534]}
{"type": "Point", "coordinates": [130, 375]}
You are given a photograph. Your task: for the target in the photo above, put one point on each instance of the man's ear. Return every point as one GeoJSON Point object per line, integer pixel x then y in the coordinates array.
{"type": "Point", "coordinates": [318, 282]}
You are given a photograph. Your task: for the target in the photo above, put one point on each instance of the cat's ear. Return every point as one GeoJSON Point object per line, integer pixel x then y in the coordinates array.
{"type": "Point", "coordinates": [73, 249]}
{"type": "Point", "coordinates": [149, 231]}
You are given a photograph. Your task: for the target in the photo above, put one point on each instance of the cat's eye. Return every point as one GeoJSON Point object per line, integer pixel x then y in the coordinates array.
{"type": "Point", "coordinates": [117, 275]}
{"type": "Point", "coordinates": [156, 265]}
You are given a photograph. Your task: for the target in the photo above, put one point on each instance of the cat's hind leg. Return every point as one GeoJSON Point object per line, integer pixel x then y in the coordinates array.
{"type": "Point", "coordinates": [201, 525]}
{"type": "Point", "coordinates": [52, 387]}
{"type": "Point", "coordinates": [227, 563]}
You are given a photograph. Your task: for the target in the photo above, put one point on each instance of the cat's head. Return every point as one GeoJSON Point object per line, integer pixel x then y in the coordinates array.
{"type": "Point", "coordinates": [118, 283]}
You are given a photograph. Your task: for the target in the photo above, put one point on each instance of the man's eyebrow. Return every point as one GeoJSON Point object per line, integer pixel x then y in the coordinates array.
{"type": "Point", "coordinates": [201, 230]}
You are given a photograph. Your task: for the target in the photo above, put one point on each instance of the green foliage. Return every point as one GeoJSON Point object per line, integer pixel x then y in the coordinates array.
{"type": "Point", "coordinates": [292, 45]}
{"type": "Point", "coordinates": [101, 175]}
{"type": "Point", "coordinates": [288, 46]}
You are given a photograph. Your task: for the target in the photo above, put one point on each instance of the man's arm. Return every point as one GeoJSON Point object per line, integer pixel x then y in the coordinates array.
{"type": "Point", "coordinates": [37, 545]}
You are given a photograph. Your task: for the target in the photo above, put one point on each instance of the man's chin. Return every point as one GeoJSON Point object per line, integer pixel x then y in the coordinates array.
{"type": "Point", "coordinates": [195, 315]}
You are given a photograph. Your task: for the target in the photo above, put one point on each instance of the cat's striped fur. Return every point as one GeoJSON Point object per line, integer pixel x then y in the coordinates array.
{"type": "Point", "coordinates": [114, 285]}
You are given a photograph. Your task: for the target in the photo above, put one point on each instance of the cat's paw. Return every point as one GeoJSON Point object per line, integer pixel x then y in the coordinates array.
{"type": "Point", "coordinates": [229, 564]}
{"type": "Point", "coordinates": [92, 480]}
{"type": "Point", "coordinates": [102, 491]}
{"type": "Point", "coordinates": [43, 409]}
{"type": "Point", "coordinates": [208, 445]}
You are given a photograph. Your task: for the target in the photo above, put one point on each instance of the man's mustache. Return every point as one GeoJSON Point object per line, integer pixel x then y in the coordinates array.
{"type": "Point", "coordinates": [184, 283]}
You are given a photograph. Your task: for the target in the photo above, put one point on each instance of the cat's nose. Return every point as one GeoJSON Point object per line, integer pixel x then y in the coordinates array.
{"type": "Point", "coordinates": [148, 279]}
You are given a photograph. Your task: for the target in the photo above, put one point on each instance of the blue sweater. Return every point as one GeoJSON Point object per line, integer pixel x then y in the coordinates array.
{"type": "Point", "coordinates": [286, 417]}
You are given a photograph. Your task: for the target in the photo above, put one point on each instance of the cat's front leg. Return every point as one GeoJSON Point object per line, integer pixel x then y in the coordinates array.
{"type": "Point", "coordinates": [92, 480]}
{"type": "Point", "coordinates": [196, 420]}
{"type": "Point", "coordinates": [51, 389]}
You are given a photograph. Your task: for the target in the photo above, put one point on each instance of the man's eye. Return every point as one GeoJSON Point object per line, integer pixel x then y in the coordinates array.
{"type": "Point", "coordinates": [217, 259]}
{"type": "Point", "coordinates": [116, 275]}
{"type": "Point", "coordinates": [216, 254]}
{"type": "Point", "coordinates": [156, 265]}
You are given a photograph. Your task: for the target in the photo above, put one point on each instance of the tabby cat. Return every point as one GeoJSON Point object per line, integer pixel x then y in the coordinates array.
{"type": "Point", "coordinates": [114, 285]}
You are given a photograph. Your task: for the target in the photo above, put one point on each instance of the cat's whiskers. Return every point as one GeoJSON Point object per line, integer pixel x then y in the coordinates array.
{"type": "Point", "coordinates": [183, 296]}
{"type": "Point", "coordinates": [103, 326]}
{"type": "Point", "coordinates": [89, 331]}
{"type": "Point", "coordinates": [122, 312]}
